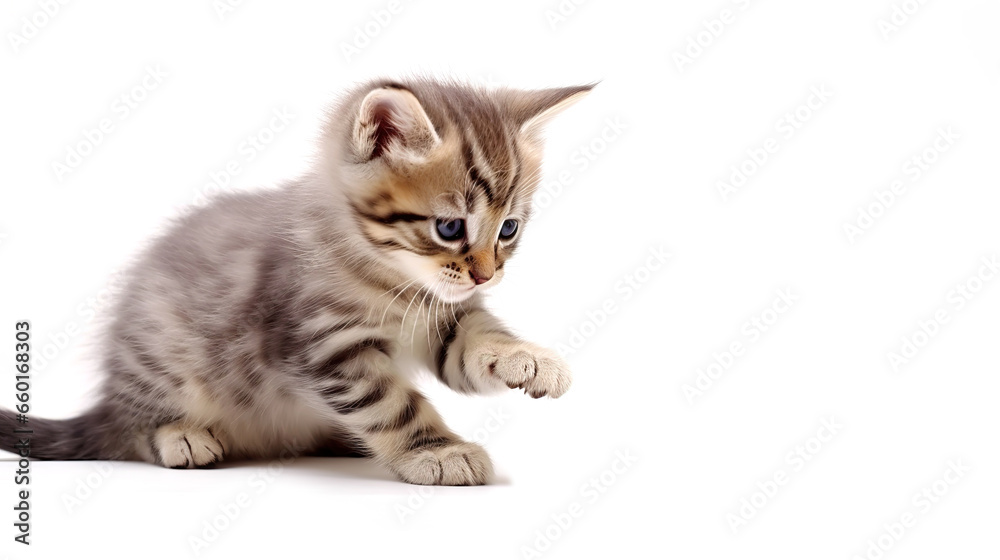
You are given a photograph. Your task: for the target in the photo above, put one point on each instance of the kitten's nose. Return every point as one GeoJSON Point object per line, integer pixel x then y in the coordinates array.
{"type": "Point", "coordinates": [479, 279]}
{"type": "Point", "coordinates": [482, 265]}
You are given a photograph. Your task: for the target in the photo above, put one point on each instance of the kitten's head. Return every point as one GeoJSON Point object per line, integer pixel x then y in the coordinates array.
{"type": "Point", "coordinates": [440, 176]}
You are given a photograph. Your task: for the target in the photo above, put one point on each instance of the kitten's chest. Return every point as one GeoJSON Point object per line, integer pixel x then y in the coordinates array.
{"type": "Point", "coordinates": [419, 332]}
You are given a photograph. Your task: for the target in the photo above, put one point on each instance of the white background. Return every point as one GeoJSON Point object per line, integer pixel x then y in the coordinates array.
{"type": "Point", "coordinates": [653, 185]}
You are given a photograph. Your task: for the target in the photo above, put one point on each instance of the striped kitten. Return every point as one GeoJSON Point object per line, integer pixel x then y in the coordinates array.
{"type": "Point", "coordinates": [282, 322]}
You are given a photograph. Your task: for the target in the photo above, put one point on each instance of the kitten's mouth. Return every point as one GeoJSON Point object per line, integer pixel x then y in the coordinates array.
{"type": "Point", "coordinates": [454, 293]}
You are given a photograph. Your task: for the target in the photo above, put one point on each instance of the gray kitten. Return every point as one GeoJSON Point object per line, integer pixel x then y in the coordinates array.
{"type": "Point", "coordinates": [286, 318]}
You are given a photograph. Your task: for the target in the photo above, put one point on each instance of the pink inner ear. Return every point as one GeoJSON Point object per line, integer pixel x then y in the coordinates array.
{"type": "Point", "coordinates": [385, 119]}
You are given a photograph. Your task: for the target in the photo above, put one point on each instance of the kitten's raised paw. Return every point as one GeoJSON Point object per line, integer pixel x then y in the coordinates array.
{"type": "Point", "coordinates": [539, 371]}
{"type": "Point", "coordinates": [457, 464]}
{"type": "Point", "coordinates": [181, 447]}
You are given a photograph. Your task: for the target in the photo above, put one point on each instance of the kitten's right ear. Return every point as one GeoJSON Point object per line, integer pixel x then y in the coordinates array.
{"type": "Point", "coordinates": [392, 124]}
{"type": "Point", "coordinates": [533, 109]}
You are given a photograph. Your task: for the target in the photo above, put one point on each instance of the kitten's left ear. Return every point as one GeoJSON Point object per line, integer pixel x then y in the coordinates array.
{"type": "Point", "coordinates": [392, 124]}
{"type": "Point", "coordinates": [533, 109]}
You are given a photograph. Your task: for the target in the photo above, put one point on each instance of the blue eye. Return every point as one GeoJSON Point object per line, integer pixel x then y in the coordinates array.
{"type": "Point", "coordinates": [508, 229]}
{"type": "Point", "coordinates": [451, 230]}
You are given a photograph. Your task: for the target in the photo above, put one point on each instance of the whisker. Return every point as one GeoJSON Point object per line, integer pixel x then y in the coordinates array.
{"type": "Point", "coordinates": [461, 307]}
{"type": "Point", "coordinates": [437, 322]}
{"type": "Point", "coordinates": [402, 322]}
{"type": "Point", "coordinates": [389, 306]}
{"type": "Point", "coordinates": [413, 331]}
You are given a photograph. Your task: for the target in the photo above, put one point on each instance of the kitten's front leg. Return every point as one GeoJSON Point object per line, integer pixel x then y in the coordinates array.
{"type": "Point", "coordinates": [481, 356]}
{"type": "Point", "coordinates": [358, 385]}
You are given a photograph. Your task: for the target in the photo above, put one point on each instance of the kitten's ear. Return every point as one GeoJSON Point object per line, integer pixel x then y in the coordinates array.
{"type": "Point", "coordinates": [533, 109]}
{"type": "Point", "coordinates": [391, 123]}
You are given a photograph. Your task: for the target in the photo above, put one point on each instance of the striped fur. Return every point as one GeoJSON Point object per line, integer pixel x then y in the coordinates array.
{"type": "Point", "coordinates": [285, 320]}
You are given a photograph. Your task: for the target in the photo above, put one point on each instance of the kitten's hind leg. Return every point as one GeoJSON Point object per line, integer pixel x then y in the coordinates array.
{"type": "Point", "coordinates": [181, 446]}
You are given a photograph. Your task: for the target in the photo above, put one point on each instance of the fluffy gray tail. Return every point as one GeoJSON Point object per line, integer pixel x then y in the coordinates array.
{"type": "Point", "coordinates": [73, 439]}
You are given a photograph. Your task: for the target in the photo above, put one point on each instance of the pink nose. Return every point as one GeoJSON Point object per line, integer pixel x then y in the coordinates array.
{"type": "Point", "coordinates": [479, 279]}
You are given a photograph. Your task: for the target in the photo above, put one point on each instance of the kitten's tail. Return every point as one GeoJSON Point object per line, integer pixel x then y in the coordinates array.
{"type": "Point", "coordinates": [73, 439]}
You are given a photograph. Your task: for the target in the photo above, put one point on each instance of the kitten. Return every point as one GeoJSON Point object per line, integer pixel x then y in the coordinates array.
{"type": "Point", "coordinates": [282, 321]}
